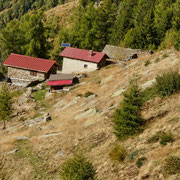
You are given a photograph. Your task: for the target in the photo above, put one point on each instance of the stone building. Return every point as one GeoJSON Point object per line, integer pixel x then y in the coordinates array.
{"type": "Point", "coordinates": [123, 54]}
{"type": "Point", "coordinates": [23, 70]}
{"type": "Point", "coordinates": [80, 60]}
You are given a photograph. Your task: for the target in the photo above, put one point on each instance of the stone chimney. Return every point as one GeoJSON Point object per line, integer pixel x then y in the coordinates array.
{"type": "Point", "coordinates": [90, 52]}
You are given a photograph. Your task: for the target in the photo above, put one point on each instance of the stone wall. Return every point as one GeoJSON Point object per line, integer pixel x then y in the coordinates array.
{"type": "Point", "coordinates": [77, 66]}
{"type": "Point", "coordinates": [23, 77]}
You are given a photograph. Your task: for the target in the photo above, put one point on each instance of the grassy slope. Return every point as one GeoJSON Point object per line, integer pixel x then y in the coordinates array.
{"type": "Point", "coordinates": [93, 135]}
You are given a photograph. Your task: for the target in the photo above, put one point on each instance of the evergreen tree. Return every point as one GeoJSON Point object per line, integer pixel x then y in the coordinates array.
{"type": "Point", "coordinates": [127, 120]}
{"type": "Point", "coordinates": [163, 18]}
{"type": "Point", "coordinates": [176, 24]}
{"type": "Point", "coordinates": [37, 44]}
{"type": "Point", "coordinates": [27, 37]}
{"type": "Point", "coordinates": [123, 22]}
{"type": "Point", "coordinates": [12, 39]}
{"type": "Point", "coordinates": [5, 104]}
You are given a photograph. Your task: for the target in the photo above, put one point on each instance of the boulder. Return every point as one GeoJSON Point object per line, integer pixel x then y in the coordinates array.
{"type": "Point", "coordinates": [86, 114]}
{"type": "Point", "coordinates": [21, 138]}
{"type": "Point", "coordinates": [59, 154]}
{"type": "Point", "coordinates": [13, 151]}
{"type": "Point", "coordinates": [47, 117]}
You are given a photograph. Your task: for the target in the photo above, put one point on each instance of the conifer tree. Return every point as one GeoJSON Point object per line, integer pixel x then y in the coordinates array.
{"type": "Point", "coordinates": [5, 104]}
{"type": "Point", "coordinates": [127, 120]}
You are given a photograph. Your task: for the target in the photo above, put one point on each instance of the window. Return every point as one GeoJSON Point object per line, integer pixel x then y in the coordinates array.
{"type": "Point", "coordinates": [85, 66]}
{"type": "Point", "coordinates": [33, 73]}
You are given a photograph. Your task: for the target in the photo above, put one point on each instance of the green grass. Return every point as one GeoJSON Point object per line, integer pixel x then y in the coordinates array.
{"type": "Point", "coordinates": [17, 93]}
{"type": "Point", "coordinates": [40, 95]}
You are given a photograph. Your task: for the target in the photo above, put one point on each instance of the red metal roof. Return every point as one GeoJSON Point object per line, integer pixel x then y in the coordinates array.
{"type": "Point", "coordinates": [59, 83]}
{"type": "Point", "coordinates": [30, 63]}
{"type": "Point", "coordinates": [82, 54]}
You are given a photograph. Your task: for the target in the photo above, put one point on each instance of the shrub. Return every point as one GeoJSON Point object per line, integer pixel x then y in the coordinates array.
{"type": "Point", "coordinates": [167, 83]}
{"type": "Point", "coordinates": [149, 94]}
{"type": "Point", "coordinates": [156, 137]}
{"type": "Point", "coordinates": [127, 120]}
{"type": "Point", "coordinates": [157, 60]}
{"type": "Point", "coordinates": [147, 63]}
{"type": "Point", "coordinates": [140, 161]}
{"type": "Point", "coordinates": [166, 138]}
{"type": "Point", "coordinates": [165, 56]}
{"type": "Point", "coordinates": [118, 153]}
{"type": "Point", "coordinates": [89, 93]}
{"type": "Point", "coordinates": [172, 165]}
{"type": "Point", "coordinates": [78, 168]}
{"type": "Point", "coordinates": [132, 155]}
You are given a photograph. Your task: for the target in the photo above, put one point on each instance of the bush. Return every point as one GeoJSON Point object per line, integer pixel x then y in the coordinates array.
{"type": "Point", "coordinates": [78, 168]}
{"type": "Point", "coordinates": [118, 153]}
{"type": "Point", "coordinates": [149, 94]}
{"type": "Point", "coordinates": [156, 137]}
{"type": "Point", "coordinates": [167, 83]}
{"type": "Point", "coordinates": [133, 155]}
{"type": "Point", "coordinates": [166, 138]}
{"type": "Point", "coordinates": [172, 165]}
{"type": "Point", "coordinates": [127, 120]}
{"type": "Point", "coordinates": [147, 63]}
{"type": "Point", "coordinates": [140, 161]}
{"type": "Point", "coordinates": [89, 93]}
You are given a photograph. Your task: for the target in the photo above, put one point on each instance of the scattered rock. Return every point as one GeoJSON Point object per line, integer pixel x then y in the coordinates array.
{"type": "Point", "coordinates": [145, 176]}
{"type": "Point", "coordinates": [91, 97]}
{"type": "Point", "coordinates": [13, 151]}
{"type": "Point", "coordinates": [88, 113]}
{"type": "Point", "coordinates": [106, 79]}
{"type": "Point", "coordinates": [21, 138]}
{"type": "Point", "coordinates": [91, 103]}
{"type": "Point", "coordinates": [59, 154]}
{"type": "Point", "coordinates": [117, 93]}
{"type": "Point", "coordinates": [148, 84]}
{"type": "Point", "coordinates": [37, 120]}
{"type": "Point", "coordinates": [74, 101]}
{"type": "Point", "coordinates": [50, 135]}
{"type": "Point", "coordinates": [47, 117]}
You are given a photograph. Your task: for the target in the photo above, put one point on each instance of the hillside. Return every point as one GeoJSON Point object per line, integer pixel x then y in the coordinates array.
{"type": "Point", "coordinates": [31, 148]}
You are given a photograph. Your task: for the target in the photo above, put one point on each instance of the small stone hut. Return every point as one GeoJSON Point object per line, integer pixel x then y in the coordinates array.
{"type": "Point", "coordinates": [80, 60]}
{"type": "Point", "coordinates": [123, 54]}
{"type": "Point", "coordinates": [23, 70]}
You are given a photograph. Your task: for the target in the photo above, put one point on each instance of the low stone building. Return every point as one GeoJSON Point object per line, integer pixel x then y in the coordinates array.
{"type": "Point", "coordinates": [123, 54]}
{"type": "Point", "coordinates": [80, 60]}
{"type": "Point", "coordinates": [23, 70]}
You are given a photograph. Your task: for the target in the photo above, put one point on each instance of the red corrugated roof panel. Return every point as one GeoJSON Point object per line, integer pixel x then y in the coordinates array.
{"type": "Point", "coordinates": [30, 63]}
{"type": "Point", "coordinates": [82, 54]}
{"type": "Point", "coordinates": [59, 83]}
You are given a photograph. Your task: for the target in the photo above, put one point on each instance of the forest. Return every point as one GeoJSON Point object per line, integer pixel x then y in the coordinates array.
{"type": "Point", "coordinates": [142, 24]}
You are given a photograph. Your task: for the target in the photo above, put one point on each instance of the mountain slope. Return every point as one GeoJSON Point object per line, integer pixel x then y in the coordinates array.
{"type": "Point", "coordinates": [84, 123]}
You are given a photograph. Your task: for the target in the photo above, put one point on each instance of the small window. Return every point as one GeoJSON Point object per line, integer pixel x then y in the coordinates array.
{"type": "Point", "coordinates": [85, 66]}
{"type": "Point", "coordinates": [33, 73]}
